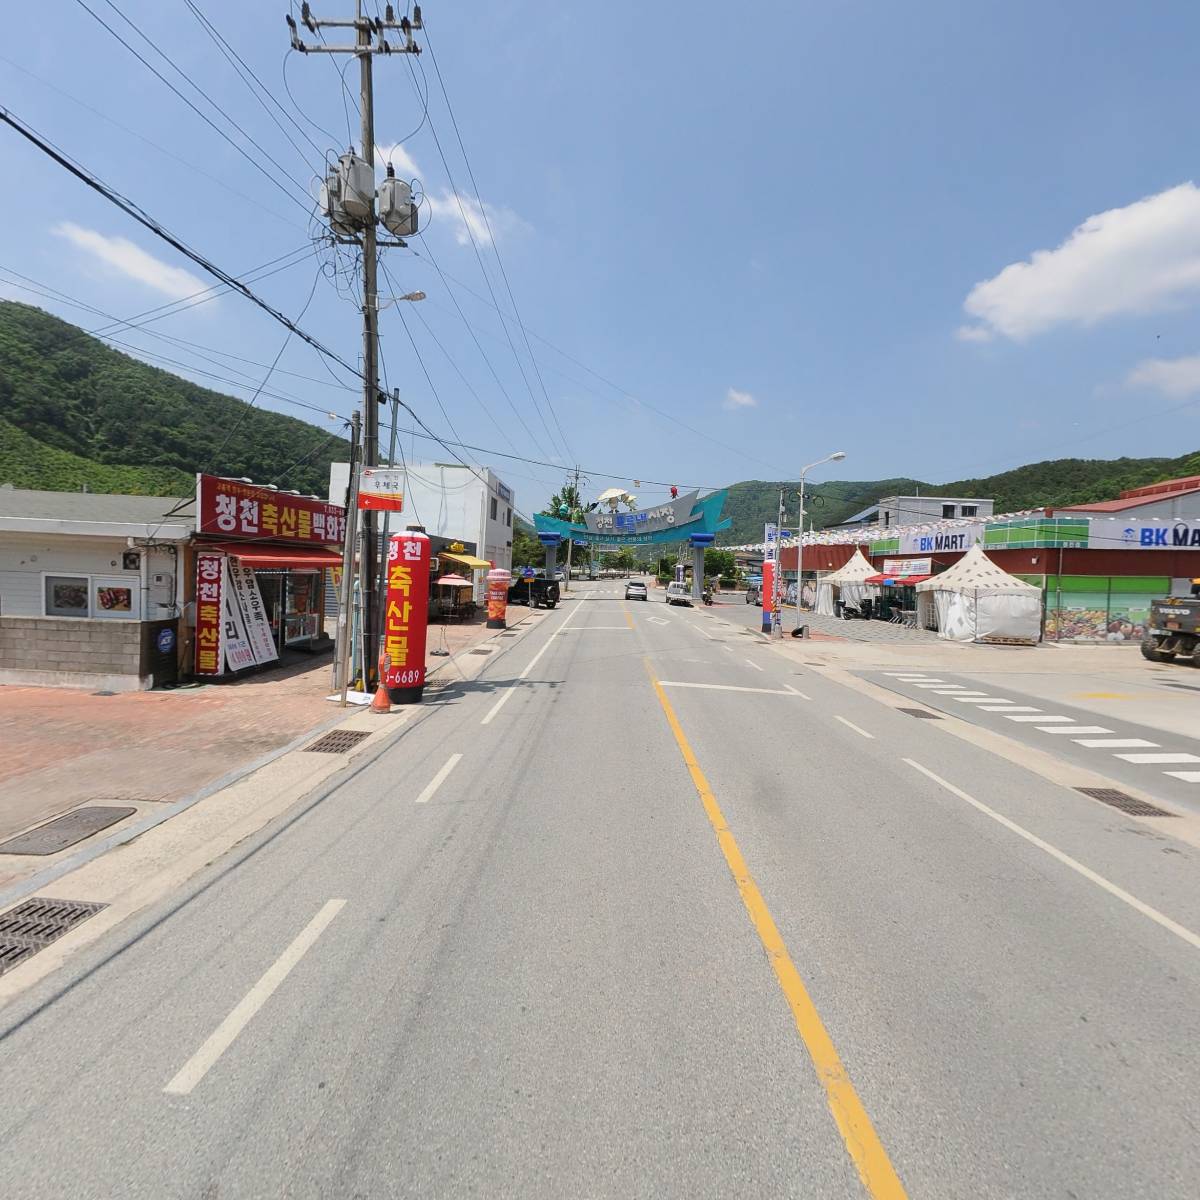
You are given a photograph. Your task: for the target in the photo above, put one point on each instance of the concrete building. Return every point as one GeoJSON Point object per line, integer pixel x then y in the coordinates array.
{"type": "Point", "coordinates": [91, 587]}
{"type": "Point", "coordinates": [915, 510]}
{"type": "Point", "coordinates": [470, 505]}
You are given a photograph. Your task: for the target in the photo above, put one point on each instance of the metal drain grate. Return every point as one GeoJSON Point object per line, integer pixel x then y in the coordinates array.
{"type": "Point", "coordinates": [920, 712]}
{"type": "Point", "coordinates": [338, 742]}
{"type": "Point", "coordinates": [33, 925]}
{"type": "Point", "coordinates": [482, 650]}
{"type": "Point", "coordinates": [66, 830]}
{"type": "Point", "coordinates": [1125, 802]}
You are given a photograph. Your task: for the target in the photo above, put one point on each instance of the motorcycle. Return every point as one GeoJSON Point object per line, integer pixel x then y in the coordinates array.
{"type": "Point", "coordinates": [706, 596]}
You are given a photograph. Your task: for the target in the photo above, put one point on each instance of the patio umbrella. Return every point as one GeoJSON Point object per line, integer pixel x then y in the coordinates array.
{"type": "Point", "coordinates": [453, 581]}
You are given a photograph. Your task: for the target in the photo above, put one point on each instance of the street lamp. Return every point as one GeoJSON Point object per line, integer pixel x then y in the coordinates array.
{"type": "Point", "coordinates": [836, 456]}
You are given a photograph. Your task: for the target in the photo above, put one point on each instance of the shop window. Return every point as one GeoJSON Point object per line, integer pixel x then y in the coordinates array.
{"type": "Point", "coordinates": [969, 510]}
{"type": "Point", "coordinates": [115, 598]}
{"type": "Point", "coordinates": [947, 511]}
{"type": "Point", "coordinates": [494, 508]}
{"type": "Point", "coordinates": [67, 595]}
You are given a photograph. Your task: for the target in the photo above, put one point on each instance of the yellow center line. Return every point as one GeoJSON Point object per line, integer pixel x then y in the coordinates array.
{"type": "Point", "coordinates": [628, 614]}
{"type": "Point", "coordinates": [862, 1142]}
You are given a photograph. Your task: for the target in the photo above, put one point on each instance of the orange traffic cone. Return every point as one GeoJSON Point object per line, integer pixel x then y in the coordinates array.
{"type": "Point", "coordinates": [381, 702]}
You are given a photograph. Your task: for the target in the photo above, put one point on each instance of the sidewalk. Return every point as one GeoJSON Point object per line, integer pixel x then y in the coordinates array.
{"type": "Point", "coordinates": [60, 749]}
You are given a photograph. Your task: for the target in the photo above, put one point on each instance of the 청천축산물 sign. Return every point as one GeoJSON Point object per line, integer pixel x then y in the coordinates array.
{"type": "Point", "coordinates": [406, 616]}
{"type": "Point", "coordinates": [210, 624]}
{"type": "Point", "coordinates": [245, 510]}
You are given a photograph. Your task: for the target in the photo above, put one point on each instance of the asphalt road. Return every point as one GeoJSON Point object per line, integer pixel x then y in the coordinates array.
{"type": "Point", "coordinates": [646, 911]}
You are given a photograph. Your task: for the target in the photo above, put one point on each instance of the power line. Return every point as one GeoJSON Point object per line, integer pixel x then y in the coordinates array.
{"type": "Point", "coordinates": [437, 141]}
{"type": "Point", "coordinates": [445, 277]}
{"type": "Point", "coordinates": [470, 329]}
{"type": "Point", "coordinates": [191, 166]}
{"type": "Point", "coordinates": [243, 69]}
{"type": "Point", "coordinates": [203, 116]}
{"type": "Point", "coordinates": [270, 370]}
{"type": "Point", "coordinates": [131, 209]}
{"type": "Point", "coordinates": [491, 237]}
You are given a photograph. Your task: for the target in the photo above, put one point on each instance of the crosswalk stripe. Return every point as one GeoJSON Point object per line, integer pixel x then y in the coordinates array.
{"type": "Point", "coordinates": [1113, 743]}
{"type": "Point", "coordinates": [1160, 758]}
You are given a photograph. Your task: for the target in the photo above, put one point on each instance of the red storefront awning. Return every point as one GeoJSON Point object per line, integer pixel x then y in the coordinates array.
{"type": "Point", "coordinates": [257, 554]}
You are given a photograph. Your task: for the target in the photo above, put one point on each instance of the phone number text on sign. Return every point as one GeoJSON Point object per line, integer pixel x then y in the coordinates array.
{"type": "Point", "coordinates": [406, 618]}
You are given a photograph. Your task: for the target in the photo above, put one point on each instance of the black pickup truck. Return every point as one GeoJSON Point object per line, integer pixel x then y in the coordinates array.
{"type": "Point", "coordinates": [1174, 629]}
{"type": "Point", "coordinates": [537, 593]}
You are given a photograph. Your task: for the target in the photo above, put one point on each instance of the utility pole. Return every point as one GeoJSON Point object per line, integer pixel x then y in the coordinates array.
{"type": "Point", "coordinates": [777, 580]}
{"type": "Point", "coordinates": [348, 197]}
{"type": "Point", "coordinates": [341, 652]}
{"type": "Point", "coordinates": [576, 514]}
{"type": "Point", "coordinates": [370, 315]}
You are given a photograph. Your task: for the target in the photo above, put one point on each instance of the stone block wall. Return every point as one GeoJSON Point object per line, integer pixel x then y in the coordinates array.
{"type": "Point", "coordinates": [70, 645]}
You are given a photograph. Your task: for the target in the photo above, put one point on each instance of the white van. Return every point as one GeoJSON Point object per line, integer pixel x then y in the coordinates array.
{"type": "Point", "coordinates": [679, 593]}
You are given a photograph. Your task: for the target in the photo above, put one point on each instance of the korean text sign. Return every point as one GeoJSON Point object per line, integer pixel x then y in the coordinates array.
{"type": "Point", "coordinates": [226, 506]}
{"type": "Point", "coordinates": [406, 616]}
{"type": "Point", "coordinates": [210, 627]}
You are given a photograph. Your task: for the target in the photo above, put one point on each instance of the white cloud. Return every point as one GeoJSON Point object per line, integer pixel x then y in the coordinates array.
{"type": "Point", "coordinates": [132, 261]}
{"type": "Point", "coordinates": [735, 400]}
{"type": "Point", "coordinates": [399, 157]}
{"type": "Point", "coordinates": [465, 216]}
{"type": "Point", "coordinates": [1174, 377]}
{"type": "Point", "coordinates": [1139, 259]}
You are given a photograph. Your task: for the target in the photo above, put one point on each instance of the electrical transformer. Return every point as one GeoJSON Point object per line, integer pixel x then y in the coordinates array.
{"type": "Point", "coordinates": [396, 208]}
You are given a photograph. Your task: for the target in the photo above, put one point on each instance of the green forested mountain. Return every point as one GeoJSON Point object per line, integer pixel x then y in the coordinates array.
{"type": "Point", "coordinates": [1054, 482]}
{"type": "Point", "coordinates": [75, 412]}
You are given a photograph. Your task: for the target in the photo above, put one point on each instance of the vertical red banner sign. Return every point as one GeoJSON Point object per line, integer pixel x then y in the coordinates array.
{"type": "Point", "coordinates": [498, 580]}
{"type": "Point", "coordinates": [406, 617]}
{"type": "Point", "coordinates": [210, 578]}
{"type": "Point", "coordinates": [768, 595]}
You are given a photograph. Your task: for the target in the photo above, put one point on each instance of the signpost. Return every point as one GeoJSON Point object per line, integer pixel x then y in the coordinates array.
{"type": "Point", "coordinates": [381, 489]}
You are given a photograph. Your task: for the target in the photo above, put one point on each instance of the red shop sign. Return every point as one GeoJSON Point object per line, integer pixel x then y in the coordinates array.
{"type": "Point", "coordinates": [406, 618]}
{"type": "Point", "coordinates": [226, 506]}
{"type": "Point", "coordinates": [210, 578]}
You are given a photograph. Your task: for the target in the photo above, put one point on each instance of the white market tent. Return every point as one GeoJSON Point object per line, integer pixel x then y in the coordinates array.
{"type": "Point", "coordinates": [847, 583]}
{"type": "Point", "coordinates": [976, 601]}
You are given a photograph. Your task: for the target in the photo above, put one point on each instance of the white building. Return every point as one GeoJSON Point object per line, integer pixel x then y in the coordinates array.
{"type": "Point", "coordinates": [917, 510]}
{"type": "Point", "coordinates": [469, 505]}
{"type": "Point", "coordinates": [90, 587]}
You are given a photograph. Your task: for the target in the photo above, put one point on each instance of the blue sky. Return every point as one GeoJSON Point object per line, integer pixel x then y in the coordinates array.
{"type": "Point", "coordinates": [948, 239]}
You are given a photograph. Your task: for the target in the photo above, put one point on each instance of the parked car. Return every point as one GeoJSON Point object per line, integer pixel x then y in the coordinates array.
{"type": "Point", "coordinates": [635, 589]}
{"type": "Point", "coordinates": [754, 593]}
{"type": "Point", "coordinates": [537, 592]}
{"type": "Point", "coordinates": [559, 575]}
{"type": "Point", "coordinates": [679, 593]}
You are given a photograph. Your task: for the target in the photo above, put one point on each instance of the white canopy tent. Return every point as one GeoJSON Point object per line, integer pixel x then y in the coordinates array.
{"type": "Point", "coordinates": [977, 601]}
{"type": "Point", "coordinates": [847, 583]}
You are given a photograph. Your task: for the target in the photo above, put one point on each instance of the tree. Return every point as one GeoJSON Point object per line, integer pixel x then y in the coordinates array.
{"type": "Point", "coordinates": [719, 562]}
{"type": "Point", "coordinates": [567, 505]}
{"type": "Point", "coordinates": [622, 560]}
{"type": "Point", "coordinates": [527, 551]}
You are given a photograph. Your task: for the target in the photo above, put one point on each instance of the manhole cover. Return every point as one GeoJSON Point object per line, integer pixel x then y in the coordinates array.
{"type": "Point", "coordinates": [508, 635]}
{"type": "Point", "coordinates": [34, 924]}
{"type": "Point", "coordinates": [66, 830]}
{"type": "Point", "coordinates": [482, 650]}
{"type": "Point", "coordinates": [1125, 802]}
{"type": "Point", "coordinates": [920, 712]}
{"type": "Point", "coordinates": [338, 742]}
